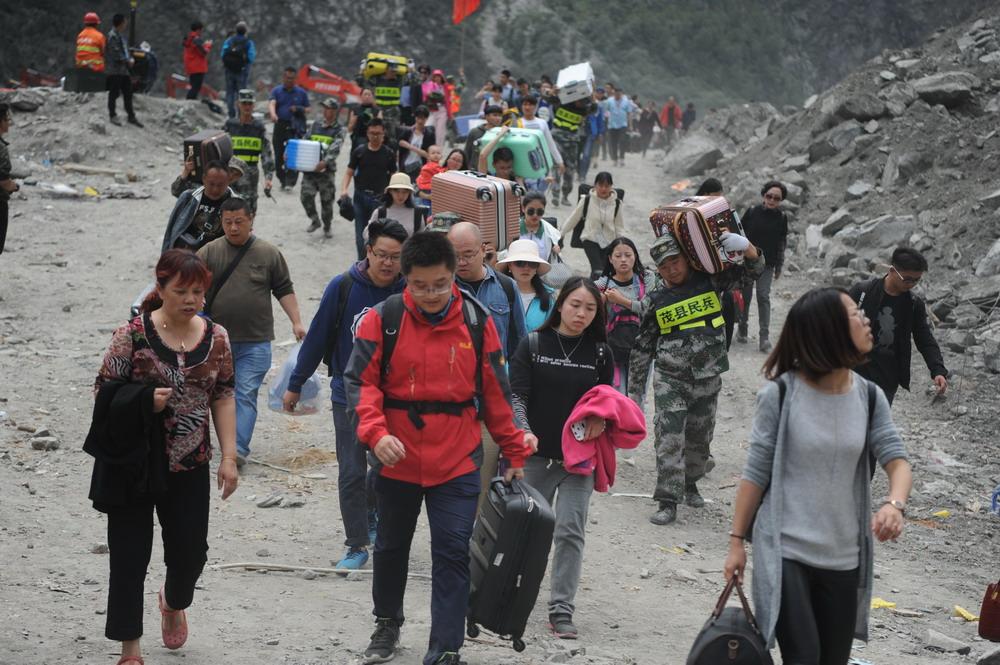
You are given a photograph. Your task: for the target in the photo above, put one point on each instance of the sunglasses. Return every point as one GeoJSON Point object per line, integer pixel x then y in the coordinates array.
{"type": "Point", "coordinates": [534, 211]}
{"type": "Point", "coordinates": [525, 264]}
{"type": "Point", "coordinates": [904, 280]}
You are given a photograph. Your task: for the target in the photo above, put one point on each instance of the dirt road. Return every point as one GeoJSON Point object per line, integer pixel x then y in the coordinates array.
{"type": "Point", "coordinates": [70, 273]}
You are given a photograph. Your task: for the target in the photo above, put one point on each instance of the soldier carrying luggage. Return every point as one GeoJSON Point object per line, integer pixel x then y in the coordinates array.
{"type": "Point", "coordinates": [683, 331]}
{"type": "Point", "coordinates": [567, 119]}
{"type": "Point", "coordinates": [330, 134]}
{"type": "Point", "coordinates": [388, 90]}
{"type": "Point", "coordinates": [250, 144]}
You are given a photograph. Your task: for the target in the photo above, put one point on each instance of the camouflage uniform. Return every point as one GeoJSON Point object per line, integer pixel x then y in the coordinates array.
{"type": "Point", "coordinates": [251, 145]}
{"type": "Point", "coordinates": [567, 120]}
{"type": "Point", "coordinates": [682, 335]}
{"type": "Point", "coordinates": [324, 182]}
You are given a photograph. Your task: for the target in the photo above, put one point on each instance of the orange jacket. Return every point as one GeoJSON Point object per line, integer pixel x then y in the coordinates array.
{"type": "Point", "coordinates": [665, 113]}
{"type": "Point", "coordinates": [427, 173]}
{"type": "Point", "coordinates": [90, 49]}
{"type": "Point", "coordinates": [452, 100]}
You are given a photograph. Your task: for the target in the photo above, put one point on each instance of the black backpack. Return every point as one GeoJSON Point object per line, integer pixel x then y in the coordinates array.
{"type": "Point", "coordinates": [343, 294]}
{"type": "Point", "coordinates": [237, 56]}
{"type": "Point", "coordinates": [730, 636]}
{"type": "Point", "coordinates": [584, 191]}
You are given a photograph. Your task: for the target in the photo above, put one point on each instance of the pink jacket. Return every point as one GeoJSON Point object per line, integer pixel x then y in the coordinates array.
{"type": "Point", "coordinates": [626, 427]}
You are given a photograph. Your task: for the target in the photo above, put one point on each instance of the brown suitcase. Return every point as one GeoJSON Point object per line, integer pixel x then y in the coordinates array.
{"type": "Point", "coordinates": [697, 222]}
{"type": "Point", "coordinates": [493, 204]}
{"type": "Point", "coordinates": [207, 146]}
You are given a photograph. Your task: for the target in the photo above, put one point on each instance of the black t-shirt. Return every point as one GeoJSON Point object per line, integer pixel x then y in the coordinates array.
{"type": "Point", "coordinates": [372, 168]}
{"type": "Point", "coordinates": [207, 222]}
{"type": "Point", "coordinates": [768, 230]}
{"type": "Point", "coordinates": [882, 366]}
{"type": "Point", "coordinates": [547, 388]}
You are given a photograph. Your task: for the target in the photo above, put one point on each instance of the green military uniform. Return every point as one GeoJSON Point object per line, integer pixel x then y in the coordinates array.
{"type": "Point", "coordinates": [251, 145]}
{"type": "Point", "coordinates": [682, 335]}
{"type": "Point", "coordinates": [388, 99]}
{"type": "Point", "coordinates": [566, 123]}
{"type": "Point", "coordinates": [322, 182]}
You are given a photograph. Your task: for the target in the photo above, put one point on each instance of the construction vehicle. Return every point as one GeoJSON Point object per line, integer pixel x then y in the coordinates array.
{"type": "Point", "coordinates": [177, 87]}
{"type": "Point", "coordinates": [317, 79]}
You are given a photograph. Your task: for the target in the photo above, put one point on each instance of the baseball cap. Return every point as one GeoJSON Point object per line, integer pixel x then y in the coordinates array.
{"type": "Point", "coordinates": [665, 246]}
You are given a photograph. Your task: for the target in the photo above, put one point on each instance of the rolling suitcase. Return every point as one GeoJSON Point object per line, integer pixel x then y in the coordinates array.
{"type": "Point", "coordinates": [207, 146]}
{"type": "Point", "coordinates": [509, 554]}
{"type": "Point", "coordinates": [492, 204]}
{"type": "Point", "coordinates": [697, 222]}
{"type": "Point", "coordinates": [302, 155]}
{"type": "Point", "coordinates": [532, 158]}
{"type": "Point", "coordinates": [377, 64]}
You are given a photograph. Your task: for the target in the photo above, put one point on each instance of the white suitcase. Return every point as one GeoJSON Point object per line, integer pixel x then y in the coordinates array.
{"type": "Point", "coordinates": [575, 82]}
{"type": "Point", "coordinates": [302, 155]}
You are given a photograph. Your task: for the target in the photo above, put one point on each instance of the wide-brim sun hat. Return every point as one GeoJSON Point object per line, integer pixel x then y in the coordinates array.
{"type": "Point", "coordinates": [525, 250]}
{"type": "Point", "coordinates": [400, 181]}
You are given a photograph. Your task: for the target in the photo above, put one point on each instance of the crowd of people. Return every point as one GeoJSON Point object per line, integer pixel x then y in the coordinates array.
{"type": "Point", "coordinates": [452, 364]}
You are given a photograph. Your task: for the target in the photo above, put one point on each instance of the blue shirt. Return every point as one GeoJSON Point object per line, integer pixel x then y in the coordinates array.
{"type": "Point", "coordinates": [509, 321]}
{"type": "Point", "coordinates": [618, 112]}
{"type": "Point", "coordinates": [286, 99]}
{"type": "Point", "coordinates": [251, 48]}
{"type": "Point", "coordinates": [535, 316]}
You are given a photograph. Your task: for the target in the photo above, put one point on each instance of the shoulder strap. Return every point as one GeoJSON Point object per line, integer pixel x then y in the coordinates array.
{"type": "Point", "coordinates": [586, 207]}
{"type": "Point", "coordinates": [381, 213]}
{"type": "Point", "coordinates": [475, 321]}
{"type": "Point", "coordinates": [226, 274]}
{"type": "Point", "coordinates": [508, 288]}
{"type": "Point", "coordinates": [618, 205]}
{"type": "Point", "coordinates": [603, 353]}
{"type": "Point", "coordinates": [533, 344]}
{"type": "Point", "coordinates": [419, 217]}
{"type": "Point", "coordinates": [392, 318]}
{"type": "Point", "coordinates": [782, 389]}
{"type": "Point", "coordinates": [333, 335]}
{"type": "Point", "coordinates": [872, 399]}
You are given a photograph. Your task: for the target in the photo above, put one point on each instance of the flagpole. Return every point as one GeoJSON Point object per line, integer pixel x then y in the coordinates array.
{"type": "Point", "coordinates": [461, 58]}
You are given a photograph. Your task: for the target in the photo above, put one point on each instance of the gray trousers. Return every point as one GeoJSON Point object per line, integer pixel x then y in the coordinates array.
{"type": "Point", "coordinates": [763, 302]}
{"type": "Point", "coordinates": [571, 507]}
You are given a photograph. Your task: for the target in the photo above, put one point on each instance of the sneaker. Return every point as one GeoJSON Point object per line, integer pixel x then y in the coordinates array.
{"type": "Point", "coordinates": [135, 121]}
{"type": "Point", "coordinates": [372, 526]}
{"type": "Point", "coordinates": [562, 626]}
{"type": "Point", "coordinates": [741, 336]}
{"type": "Point", "coordinates": [116, 121]}
{"type": "Point", "coordinates": [241, 460]}
{"type": "Point", "coordinates": [765, 345]}
{"type": "Point", "coordinates": [312, 227]}
{"type": "Point", "coordinates": [355, 559]}
{"type": "Point", "coordinates": [667, 514]}
{"type": "Point", "coordinates": [385, 639]}
{"type": "Point", "coordinates": [450, 658]}
{"type": "Point", "coordinates": [565, 201]}
{"type": "Point", "coordinates": [692, 497]}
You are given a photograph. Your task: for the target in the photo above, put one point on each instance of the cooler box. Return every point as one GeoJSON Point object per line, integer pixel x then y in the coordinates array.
{"type": "Point", "coordinates": [575, 82]}
{"type": "Point", "coordinates": [494, 205]}
{"type": "Point", "coordinates": [697, 222]}
{"type": "Point", "coordinates": [466, 123]}
{"type": "Point", "coordinates": [302, 155]}
{"type": "Point", "coordinates": [532, 158]}
{"type": "Point", "coordinates": [206, 146]}
{"type": "Point", "coordinates": [377, 64]}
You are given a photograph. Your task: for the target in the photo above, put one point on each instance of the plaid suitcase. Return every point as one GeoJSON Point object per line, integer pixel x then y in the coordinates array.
{"type": "Point", "coordinates": [697, 222]}
{"type": "Point", "coordinates": [492, 204]}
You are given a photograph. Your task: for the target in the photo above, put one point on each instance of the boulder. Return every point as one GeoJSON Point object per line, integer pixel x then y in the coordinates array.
{"type": "Point", "coordinates": [948, 88]}
{"type": "Point", "coordinates": [857, 190]}
{"type": "Point", "coordinates": [958, 340]}
{"type": "Point", "coordinates": [25, 100]}
{"type": "Point", "coordinates": [838, 256]}
{"type": "Point", "coordinates": [966, 316]}
{"type": "Point", "coordinates": [890, 172]}
{"type": "Point", "coordinates": [989, 265]}
{"type": "Point", "coordinates": [838, 220]}
{"type": "Point", "coordinates": [913, 162]}
{"type": "Point", "coordinates": [815, 241]}
{"type": "Point", "coordinates": [940, 642]}
{"type": "Point", "coordinates": [879, 233]}
{"type": "Point", "coordinates": [810, 100]}
{"type": "Point", "coordinates": [859, 264]}
{"type": "Point", "coordinates": [820, 150]}
{"type": "Point", "coordinates": [897, 97]}
{"type": "Point", "coordinates": [990, 658]}
{"type": "Point", "coordinates": [991, 200]}
{"type": "Point", "coordinates": [842, 135]}
{"type": "Point", "coordinates": [907, 64]}
{"type": "Point", "coordinates": [865, 106]}
{"type": "Point", "coordinates": [793, 178]}
{"type": "Point", "coordinates": [796, 163]}
{"type": "Point", "coordinates": [887, 75]}
{"type": "Point", "coordinates": [871, 126]}
{"type": "Point", "coordinates": [795, 193]}
{"type": "Point", "coordinates": [990, 58]}
{"type": "Point", "coordinates": [692, 155]}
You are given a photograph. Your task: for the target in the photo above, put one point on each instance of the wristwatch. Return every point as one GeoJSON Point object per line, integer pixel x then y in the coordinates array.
{"type": "Point", "coordinates": [895, 503]}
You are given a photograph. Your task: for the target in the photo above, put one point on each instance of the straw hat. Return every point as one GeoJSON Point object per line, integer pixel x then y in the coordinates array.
{"type": "Point", "coordinates": [399, 181]}
{"type": "Point", "coordinates": [525, 250]}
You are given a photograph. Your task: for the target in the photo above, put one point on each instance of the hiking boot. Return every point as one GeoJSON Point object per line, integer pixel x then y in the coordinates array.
{"type": "Point", "coordinates": [765, 345]}
{"type": "Point", "coordinates": [312, 227]}
{"type": "Point", "coordinates": [450, 658]}
{"type": "Point", "coordinates": [741, 336]}
{"type": "Point", "coordinates": [372, 526]}
{"type": "Point", "coordinates": [692, 497]}
{"type": "Point", "coordinates": [132, 120]}
{"type": "Point", "coordinates": [385, 639]}
{"type": "Point", "coordinates": [562, 626]}
{"type": "Point", "coordinates": [667, 514]}
{"type": "Point", "coordinates": [115, 120]}
{"type": "Point", "coordinates": [709, 465]}
{"type": "Point", "coordinates": [355, 559]}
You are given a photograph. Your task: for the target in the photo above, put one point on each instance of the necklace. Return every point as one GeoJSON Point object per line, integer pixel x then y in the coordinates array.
{"type": "Point", "coordinates": [181, 338]}
{"type": "Point", "coordinates": [566, 356]}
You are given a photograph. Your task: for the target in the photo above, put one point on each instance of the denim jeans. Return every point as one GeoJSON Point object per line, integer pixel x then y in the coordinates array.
{"type": "Point", "coordinates": [451, 512]}
{"type": "Point", "coordinates": [355, 491]}
{"type": "Point", "coordinates": [251, 360]}
{"type": "Point", "coordinates": [364, 205]}
{"type": "Point", "coordinates": [536, 184]}
{"type": "Point", "coordinates": [551, 479]}
{"type": "Point", "coordinates": [763, 284]}
{"type": "Point", "coordinates": [588, 147]}
{"type": "Point", "coordinates": [235, 81]}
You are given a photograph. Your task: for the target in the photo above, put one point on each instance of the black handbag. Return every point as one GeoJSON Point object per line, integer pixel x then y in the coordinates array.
{"type": "Point", "coordinates": [730, 636]}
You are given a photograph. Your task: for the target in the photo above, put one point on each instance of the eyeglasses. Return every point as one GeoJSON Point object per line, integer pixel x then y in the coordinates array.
{"type": "Point", "coordinates": [430, 291]}
{"type": "Point", "coordinates": [525, 264]}
{"type": "Point", "coordinates": [904, 280]}
{"type": "Point", "coordinates": [386, 258]}
{"type": "Point", "coordinates": [534, 211]}
{"type": "Point", "coordinates": [772, 197]}
{"type": "Point", "coordinates": [466, 257]}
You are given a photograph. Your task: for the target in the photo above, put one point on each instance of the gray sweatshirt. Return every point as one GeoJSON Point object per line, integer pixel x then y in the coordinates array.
{"type": "Point", "coordinates": [767, 466]}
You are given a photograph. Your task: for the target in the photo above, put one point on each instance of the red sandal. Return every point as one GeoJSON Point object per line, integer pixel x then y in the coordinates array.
{"type": "Point", "coordinates": [131, 659]}
{"type": "Point", "coordinates": [172, 639]}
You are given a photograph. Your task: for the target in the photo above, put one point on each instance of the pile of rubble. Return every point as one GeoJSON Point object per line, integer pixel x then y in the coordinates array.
{"type": "Point", "coordinates": [901, 152]}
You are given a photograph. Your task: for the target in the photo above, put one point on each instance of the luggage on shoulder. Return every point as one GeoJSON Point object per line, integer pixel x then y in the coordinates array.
{"type": "Point", "coordinates": [509, 554]}
{"type": "Point", "coordinates": [532, 158]}
{"type": "Point", "coordinates": [730, 635]}
{"type": "Point", "coordinates": [206, 146]}
{"type": "Point", "coordinates": [302, 155]}
{"type": "Point", "coordinates": [697, 222]}
{"type": "Point", "coordinates": [377, 64]}
{"type": "Point", "coordinates": [575, 82]}
{"type": "Point", "coordinates": [583, 190]}
{"type": "Point", "coordinates": [492, 204]}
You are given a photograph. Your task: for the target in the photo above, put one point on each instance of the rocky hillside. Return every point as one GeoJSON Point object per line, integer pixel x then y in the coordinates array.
{"type": "Point", "coordinates": [904, 151]}
{"type": "Point", "coordinates": [712, 53]}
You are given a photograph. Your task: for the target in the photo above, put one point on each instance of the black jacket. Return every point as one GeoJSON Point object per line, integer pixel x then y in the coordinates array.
{"type": "Point", "coordinates": [869, 296]}
{"type": "Point", "coordinates": [126, 440]}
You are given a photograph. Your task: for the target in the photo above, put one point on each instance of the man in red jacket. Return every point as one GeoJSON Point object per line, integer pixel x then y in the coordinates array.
{"type": "Point", "coordinates": [419, 413]}
{"type": "Point", "coordinates": [196, 59]}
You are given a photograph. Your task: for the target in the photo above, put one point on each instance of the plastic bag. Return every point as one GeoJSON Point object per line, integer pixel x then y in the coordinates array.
{"type": "Point", "coordinates": [309, 398]}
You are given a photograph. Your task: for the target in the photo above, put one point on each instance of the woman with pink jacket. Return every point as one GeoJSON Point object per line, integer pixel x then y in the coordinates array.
{"type": "Point", "coordinates": [433, 94]}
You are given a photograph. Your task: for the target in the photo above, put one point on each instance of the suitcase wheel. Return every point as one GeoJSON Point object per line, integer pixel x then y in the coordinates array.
{"type": "Point", "coordinates": [484, 194]}
{"type": "Point", "coordinates": [518, 644]}
{"type": "Point", "coordinates": [472, 630]}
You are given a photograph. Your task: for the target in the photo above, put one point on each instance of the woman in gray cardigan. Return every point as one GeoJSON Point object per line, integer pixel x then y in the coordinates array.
{"type": "Point", "coordinates": [808, 481]}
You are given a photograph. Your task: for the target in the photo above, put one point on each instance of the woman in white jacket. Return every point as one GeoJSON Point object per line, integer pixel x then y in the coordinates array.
{"type": "Point", "coordinates": [600, 214]}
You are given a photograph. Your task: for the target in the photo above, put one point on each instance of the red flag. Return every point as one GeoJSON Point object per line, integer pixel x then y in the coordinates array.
{"type": "Point", "coordinates": [462, 8]}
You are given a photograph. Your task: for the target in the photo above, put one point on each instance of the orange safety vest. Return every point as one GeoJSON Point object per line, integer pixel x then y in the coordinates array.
{"type": "Point", "coordinates": [90, 49]}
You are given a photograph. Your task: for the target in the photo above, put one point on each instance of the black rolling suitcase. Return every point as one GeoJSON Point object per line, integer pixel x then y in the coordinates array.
{"type": "Point", "coordinates": [510, 550]}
